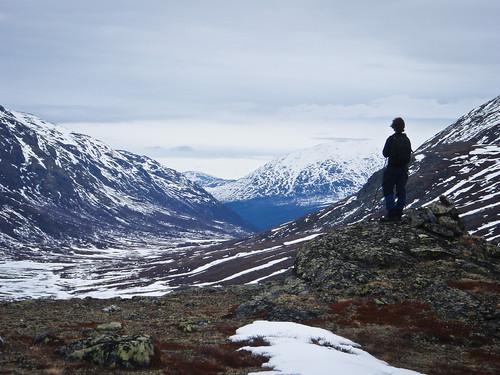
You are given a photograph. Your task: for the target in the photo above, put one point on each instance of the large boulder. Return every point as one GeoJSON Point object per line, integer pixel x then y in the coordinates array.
{"type": "Point", "coordinates": [112, 351]}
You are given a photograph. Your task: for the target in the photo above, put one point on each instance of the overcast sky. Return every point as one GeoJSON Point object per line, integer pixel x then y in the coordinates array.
{"type": "Point", "coordinates": [224, 86]}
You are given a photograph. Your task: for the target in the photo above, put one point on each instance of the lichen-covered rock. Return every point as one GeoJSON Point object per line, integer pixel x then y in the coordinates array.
{"type": "Point", "coordinates": [112, 351]}
{"type": "Point", "coordinates": [46, 338]}
{"type": "Point", "coordinates": [113, 326]}
{"type": "Point", "coordinates": [272, 312]}
{"type": "Point", "coordinates": [433, 252]}
{"type": "Point", "coordinates": [439, 218]}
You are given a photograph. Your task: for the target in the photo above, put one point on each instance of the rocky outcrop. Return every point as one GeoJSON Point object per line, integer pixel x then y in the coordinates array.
{"type": "Point", "coordinates": [439, 218]}
{"type": "Point", "coordinates": [429, 259]}
{"type": "Point", "coordinates": [112, 351]}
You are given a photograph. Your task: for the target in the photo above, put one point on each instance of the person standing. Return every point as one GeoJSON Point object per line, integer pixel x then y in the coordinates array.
{"type": "Point", "coordinates": [397, 149]}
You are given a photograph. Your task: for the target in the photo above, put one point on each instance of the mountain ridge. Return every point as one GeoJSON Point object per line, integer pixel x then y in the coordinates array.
{"type": "Point", "coordinates": [66, 189]}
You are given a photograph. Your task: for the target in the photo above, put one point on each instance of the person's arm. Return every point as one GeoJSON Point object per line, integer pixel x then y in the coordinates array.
{"type": "Point", "coordinates": [387, 148]}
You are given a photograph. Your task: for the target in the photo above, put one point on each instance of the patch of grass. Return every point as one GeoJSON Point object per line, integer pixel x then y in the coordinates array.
{"type": "Point", "coordinates": [475, 286]}
{"type": "Point", "coordinates": [408, 316]}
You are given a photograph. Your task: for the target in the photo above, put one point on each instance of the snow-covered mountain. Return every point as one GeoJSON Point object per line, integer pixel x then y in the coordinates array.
{"type": "Point", "coordinates": [62, 189]}
{"type": "Point", "coordinates": [300, 182]}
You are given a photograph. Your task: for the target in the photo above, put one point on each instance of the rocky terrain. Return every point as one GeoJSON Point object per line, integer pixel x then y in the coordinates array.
{"type": "Point", "coordinates": [420, 294]}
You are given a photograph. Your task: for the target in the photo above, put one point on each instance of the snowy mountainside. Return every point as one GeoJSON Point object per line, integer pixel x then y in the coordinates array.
{"type": "Point", "coordinates": [322, 173]}
{"type": "Point", "coordinates": [479, 126]}
{"type": "Point", "coordinates": [300, 182]}
{"type": "Point", "coordinates": [65, 189]}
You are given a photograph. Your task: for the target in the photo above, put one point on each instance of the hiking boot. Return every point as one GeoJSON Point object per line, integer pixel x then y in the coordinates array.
{"type": "Point", "coordinates": [392, 215]}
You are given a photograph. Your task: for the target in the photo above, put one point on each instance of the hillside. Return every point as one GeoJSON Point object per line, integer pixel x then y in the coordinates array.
{"type": "Point", "coordinates": [67, 190]}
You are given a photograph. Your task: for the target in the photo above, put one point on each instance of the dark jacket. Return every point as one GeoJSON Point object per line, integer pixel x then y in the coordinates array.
{"type": "Point", "coordinates": [398, 149]}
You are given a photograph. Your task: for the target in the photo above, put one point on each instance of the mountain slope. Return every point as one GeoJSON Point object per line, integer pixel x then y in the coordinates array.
{"type": "Point", "coordinates": [65, 189]}
{"type": "Point", "coordinates": [300, 182]}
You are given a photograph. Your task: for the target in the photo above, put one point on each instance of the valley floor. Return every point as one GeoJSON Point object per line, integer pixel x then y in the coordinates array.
{"type": "Point", "coordinates": [191, 329]}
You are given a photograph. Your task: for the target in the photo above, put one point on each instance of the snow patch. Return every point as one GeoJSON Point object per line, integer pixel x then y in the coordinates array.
{"type": "Point", "coordinates": [302, 350]}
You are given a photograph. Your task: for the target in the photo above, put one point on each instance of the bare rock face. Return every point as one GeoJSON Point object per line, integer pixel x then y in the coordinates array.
{"type": "Point", "coordinates": [112, 351]}
{"type": "Point", "coordinates": [429, 259]}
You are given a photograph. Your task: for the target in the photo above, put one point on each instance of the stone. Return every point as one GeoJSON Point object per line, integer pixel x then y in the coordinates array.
{"type": "Point", "coordinates": [112, 351]}
{"type": "Point", "coordinates": [45, 338]}
{"type": "Point", "coordinates": [421, 216]}
{"type": "Point", "coordinates": [253, 307]}
{"type": "Point", "coordinates": [113, 326]}
{"type": "Point", "coordinates": [431, 252]}
{"type": "Point", "coordinates": [112, 308]}
{"type": "Point", "coordinates": [271, 312]}
{"type": "Point", "coordinates": [425, 239]}
{"type": "Point", "coordinates": [190, 326]}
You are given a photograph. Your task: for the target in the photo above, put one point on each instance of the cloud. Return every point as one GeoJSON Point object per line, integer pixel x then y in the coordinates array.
{"type": "Point", "coordinates": [242, 79]}
{"type": "Point", "coordinates": [135, 58]}
{"type": "Point", "coordinates": [249, 130]}
{"type": "Point", "coordinates": [341, 140]}
{"type": "Point", "coordinates": [385, 107]}
{"type": "Point", "coordinates": [182, 149]}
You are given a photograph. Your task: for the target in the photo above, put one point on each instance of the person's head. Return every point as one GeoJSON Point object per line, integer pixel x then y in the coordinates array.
{"type": "Point", "coordinates": [398, 125]}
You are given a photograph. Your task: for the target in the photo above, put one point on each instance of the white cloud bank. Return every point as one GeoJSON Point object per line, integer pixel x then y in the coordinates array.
{"type": "Point", "coordinates": [247, 79]}
{"type": "Point", "coordinates": [232, 142]}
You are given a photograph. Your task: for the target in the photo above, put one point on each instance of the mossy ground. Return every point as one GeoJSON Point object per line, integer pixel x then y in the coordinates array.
{"type": "Point", "coordinates": [190, 331]}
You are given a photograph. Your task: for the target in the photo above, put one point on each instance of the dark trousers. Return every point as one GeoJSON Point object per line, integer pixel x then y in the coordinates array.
{"type": "Point", "coordinates": [394, 187]}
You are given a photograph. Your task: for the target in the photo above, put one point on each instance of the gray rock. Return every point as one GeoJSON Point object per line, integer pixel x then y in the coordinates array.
{"type": "Point", "coordinates": [432, 252]}
{"type": "Point", "coordinates": [46, 338]}
{"type": "Point", "coordinates": [112, 308]}
{"type": "Point", "coordinates": [112, 351]}
{"type": "Point", "coordinates": [270, 311]}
